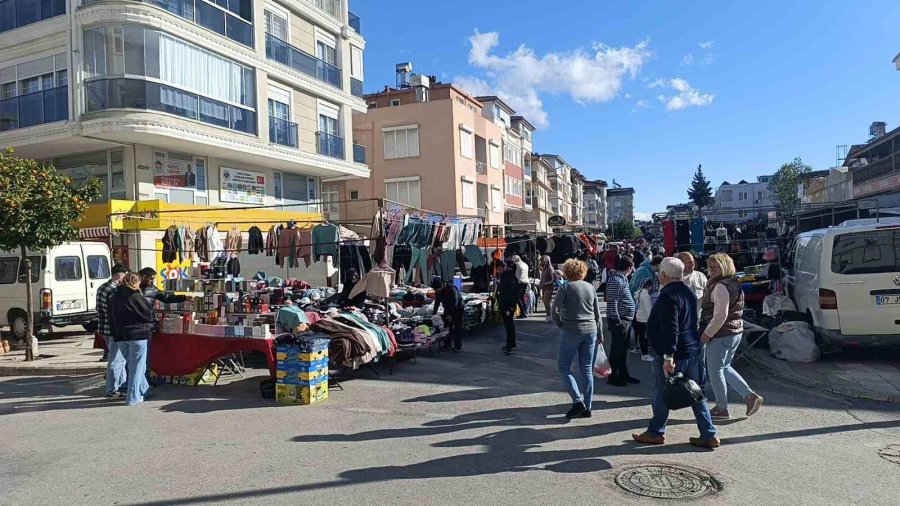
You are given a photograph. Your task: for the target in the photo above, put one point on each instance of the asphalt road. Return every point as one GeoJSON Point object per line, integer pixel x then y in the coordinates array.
{"type": "Point", "coordinates": [473, 428]}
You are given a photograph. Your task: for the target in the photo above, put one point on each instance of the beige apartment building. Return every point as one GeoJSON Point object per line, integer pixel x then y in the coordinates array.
{"type": "Point", "coordinates": [427, 146]}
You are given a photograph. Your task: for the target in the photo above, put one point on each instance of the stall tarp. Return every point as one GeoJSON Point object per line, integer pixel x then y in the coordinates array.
{"type": "Point", "coordinates": [794, 342]}
{"type": "Point", "coordinates": [183, 354]}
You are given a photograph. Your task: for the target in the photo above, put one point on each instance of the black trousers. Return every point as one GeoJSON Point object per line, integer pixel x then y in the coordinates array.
{"type": "Point", "coordinates": [509, 322]}
{"type": "Point", "coordinates": [618, 350]}
{"type": "Point", "coordinates": [640, 331]}
{"type": "Point", "coordinates": [455, 323]}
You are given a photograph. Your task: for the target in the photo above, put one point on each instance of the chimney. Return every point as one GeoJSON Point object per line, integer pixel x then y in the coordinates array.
{"type": "Point", "coordinates": [877, 130]}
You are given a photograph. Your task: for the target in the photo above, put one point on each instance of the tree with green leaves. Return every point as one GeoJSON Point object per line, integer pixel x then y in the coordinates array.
{"type": "Point", "coordinates": [41, 208]}
{"type": "Point", "coordinates": [783, 185]}
{"type": "Point", "coordinates": [700, 191]}
{"type": "Point", "coordinates": [624, 230]}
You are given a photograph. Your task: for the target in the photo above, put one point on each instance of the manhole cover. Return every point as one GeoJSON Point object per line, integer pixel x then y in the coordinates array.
{"type": "Point", "coordinates": [667, 481]}
{"type": "Point", "coordinates": [891, 453]}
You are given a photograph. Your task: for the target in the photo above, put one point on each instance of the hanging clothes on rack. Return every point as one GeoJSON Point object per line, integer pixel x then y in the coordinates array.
{"type": "Point", "coordinates": [254, 241]}
{"type": "Point", "coordinates": [325, 239]}
{"type": "Point", "coordinates": [168, 245]}
{"type": "Point", "coordinates": [272, 241]}
{"type": "Point", "coordinates": [189, 242]}
{"type": "Point", "coordinates": [233, 241]}
{"type": "Point", "coordinates": [377, 283]}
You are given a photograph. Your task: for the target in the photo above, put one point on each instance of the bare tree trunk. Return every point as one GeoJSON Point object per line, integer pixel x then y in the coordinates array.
{"type": "Point", "coordinates": [29, 308]}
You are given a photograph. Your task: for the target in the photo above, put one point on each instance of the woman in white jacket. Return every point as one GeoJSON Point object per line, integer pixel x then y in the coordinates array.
{"type": "Point", "coordinates": [644, 304]}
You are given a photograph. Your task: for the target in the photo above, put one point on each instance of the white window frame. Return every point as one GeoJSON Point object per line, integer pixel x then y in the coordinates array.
{"type": "Point", "coordinates": [282, 13]}
{"type": "Point", "coordinates": [466, 134]}
{"type": "Point", "coordinates": [277, 174]}
{"type": "Point", "coordinates": [356, 67]}
{"type": "Point", "coordinates": [395, 102]}
{"type": "Point", "coordinates": [494, 154]}
{"type": "Point", "coordinates": [468, 197]}
{"type": "Point", "coordinates": [496, 199]}
{"type": "Point", "coordinates": [391, 133]}
{"type": "Point", "coordinates": [331, 41]}
{"type": "Point", "coordinates": [397, 180]}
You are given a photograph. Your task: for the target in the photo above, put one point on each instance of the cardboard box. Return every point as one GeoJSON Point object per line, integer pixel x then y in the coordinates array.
{"type": "Point", "coordinates": [295, 376]}
{"type": "Point", "coordinates": [201, 376]}
{"type": "Point", "coordinates": [297, 394]}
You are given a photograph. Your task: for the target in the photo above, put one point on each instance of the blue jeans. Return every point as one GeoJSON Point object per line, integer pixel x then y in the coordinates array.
{"type": "Point", "coordinates": [136, 359]}
{"type": "Point", "coordinates": [719, 354]}
{"type": "Point", "coordinates": [115, 366]}
{"type": "Point", "coordinates": [691, 369]}
{"type": "Point", "coordinates": [585, 345]}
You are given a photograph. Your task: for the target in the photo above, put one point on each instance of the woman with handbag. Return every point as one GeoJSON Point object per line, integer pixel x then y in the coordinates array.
{"type": "Point", "coordinates": [721, 320]}
{"type": "Point", "coordinates": [576, 310]}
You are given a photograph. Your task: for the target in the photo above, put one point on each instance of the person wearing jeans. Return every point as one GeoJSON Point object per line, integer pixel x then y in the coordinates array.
{"type": "Point", "coordinates": [620, 309]}
{"type": "Point", "coordinates": [133, 321]}
{"type": "Point", "coordinates": [115, 365]}
{"type": "Point", "coordinates": [674, 338]}
{"type": "Point", "coordinates": [721, 310]}
{"type": "Point", "coordinates": [576, 311]}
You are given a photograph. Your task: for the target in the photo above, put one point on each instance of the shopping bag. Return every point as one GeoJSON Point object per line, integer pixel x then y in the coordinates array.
{"type": "Point", "coordinates": [601, 364]}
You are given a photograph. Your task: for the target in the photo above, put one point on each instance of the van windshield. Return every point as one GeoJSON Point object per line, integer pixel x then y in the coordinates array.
{"type": "Point", "coordinates": [871, 252]}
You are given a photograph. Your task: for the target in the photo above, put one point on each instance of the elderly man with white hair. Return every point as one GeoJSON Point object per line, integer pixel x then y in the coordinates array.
{"type": "Point", "coordinates": [694, 279]}
{"type": "Point", "coordinates": [674, 337]}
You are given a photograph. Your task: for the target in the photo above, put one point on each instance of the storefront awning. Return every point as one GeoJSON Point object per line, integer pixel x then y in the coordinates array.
{"type": "Point", "coordinates": [93, 233]}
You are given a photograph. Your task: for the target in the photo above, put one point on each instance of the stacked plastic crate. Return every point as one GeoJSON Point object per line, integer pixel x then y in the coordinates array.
{"type": "Point", "coordinates": [301, 374]}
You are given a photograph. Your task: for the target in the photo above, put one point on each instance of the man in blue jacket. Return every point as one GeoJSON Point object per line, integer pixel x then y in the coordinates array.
{"type": "Point", "coordinates": [675, 345]}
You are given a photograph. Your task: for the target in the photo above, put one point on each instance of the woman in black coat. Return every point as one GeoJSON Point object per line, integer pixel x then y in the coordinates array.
{"type": "Point", "coordinates": [132, 318]}
{"type": "Point", "coordinates": [508, 298]}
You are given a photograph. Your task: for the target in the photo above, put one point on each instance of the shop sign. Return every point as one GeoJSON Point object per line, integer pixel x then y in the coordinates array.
{"type": "Point", "coordinates": [242, 186]}
{"type": "Point", "coordinates": [178, 269]}
{"type": "Point", "coordinates": [120, 255]}
{"type": "Point", "coordinates": [175, 173]}
{"type": "Point", "coordinates": [556, 221]}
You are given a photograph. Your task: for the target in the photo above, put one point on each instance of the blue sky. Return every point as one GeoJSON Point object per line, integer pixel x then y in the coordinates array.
{"type": "Point", "coordinates": [643, 91]}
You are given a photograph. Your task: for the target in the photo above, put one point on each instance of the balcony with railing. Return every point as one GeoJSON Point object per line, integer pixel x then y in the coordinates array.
{"type": "Point", "coordinates": [480, 168]}
{"type": "Point", "coordinates": [356, 87]}
{"type": "Point", "coordinates": [288, 55]}
{"type": "Point", "coordinates": [119, 93]}
{"type": "Point", "coordinates": [230, 19]}
{"type": "Point", "coordinates": [877, 169]}
{"type": "Point", "coordinates": [282, 132]}
{"type": "Point", "coordinates": [359, 153]}
{"type": "Point", "coordinates": [330, 145]}
{"type": "Point", "coordinates": [36, 108]}
{"type": "Point", "coordinates": [331, 7]}
{"type": "Point", "coordinates": [353, 21]}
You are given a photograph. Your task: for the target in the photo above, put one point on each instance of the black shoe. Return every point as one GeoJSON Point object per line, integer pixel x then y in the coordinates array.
{"type": "Point", "coordinates": [506, 350]}
{"type": "Point", "coordinates": [615, 383]}
{"type": "Point", "coordinates": [633, 381]}
{"type": "Point", "coordinates": [586, 414]}
{"type": "Point", "coordinates": [457, 350]}
{"type": "Point", "coordinates": [521, 317]}
{"type": "Point", "coordinates": [576, 411]}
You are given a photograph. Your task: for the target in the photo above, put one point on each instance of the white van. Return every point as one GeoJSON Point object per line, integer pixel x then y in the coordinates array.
{"type": "Point", "coordinates": [64, 279]}
{"type": "Point", "coordinates": [847, 280]}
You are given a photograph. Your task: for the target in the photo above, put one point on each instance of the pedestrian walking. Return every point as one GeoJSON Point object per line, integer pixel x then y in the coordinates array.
{"type": "Point", "coordinates": [133, 323]}
{"type": "Point", "coordinates": [508, 298]}
{"type": "Point", "coordinates": [115, 360]}
{"type": "Point", "coordinates": [644, 305]}
{"type": "Point", "coordinates": [522, 275]}
{"type": "Point", "coordinates": [676, 347]}
{"type": "Point", "coordinates": [547, 277]}
{"type": "Point", "coordinates": [576, 311]}
{"type": "Point", "coordinates": [446, 295]}
{"type": "Point", "coordinates": [620, 309]}
{"type": "Point", "coordinates": [721, 317]}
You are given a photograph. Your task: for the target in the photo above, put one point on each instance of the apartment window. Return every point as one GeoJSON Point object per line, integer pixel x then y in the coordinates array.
{"type": "Point", "coordinates": [354, 195]}
{"type": "Point", "coordinates": [514, 186]}
{"type": "Point", "coordinates": [465, 141]}
{"type": "Point", "coordinates": [395, 102]}
{"type": "Point", "coordinates": [107, 166]}
{"type": "Point", "coordinates": [16, 13]}
{"type": "Point", "coordinates": [468, 194]}
{"type": "Point", "coordinates": [330, 207]}
{"type": "Point", "coordinates": [401, 142]}
{"type": "Point", "coordinates": [743, 196]}
{"type": "Point", "coordinates": [276, 23]}
{"type": "Point", "coordinates": [356, 63]}
{"type": "Point", "coordinates": [726, 195]}
{"type": "Point", "coordinates": [742, 214]}
{"type": "Point", "coordinates": [495, 156]}
{"type": "Point", "coordinates": [406, 191]}
{"type": "Point", "coordinates": [278, 193]}
{"type": "Point", "coordinates": [326, 47]}
{"type": "Point", "coordinates": [496, 200]}
{"type": "Point", "coordinates": [512, 153]}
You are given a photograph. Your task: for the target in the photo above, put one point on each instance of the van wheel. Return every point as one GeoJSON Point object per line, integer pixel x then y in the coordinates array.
{"type": "Point", "coordinates": [18, 323]}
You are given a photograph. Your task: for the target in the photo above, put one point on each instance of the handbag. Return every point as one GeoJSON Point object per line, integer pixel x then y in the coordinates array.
{"type": "Point", "coordinates": [681, 392]}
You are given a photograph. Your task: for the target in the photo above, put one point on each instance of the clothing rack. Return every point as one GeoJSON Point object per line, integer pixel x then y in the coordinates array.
{"type": "Point", "coordinates": [127, 214]}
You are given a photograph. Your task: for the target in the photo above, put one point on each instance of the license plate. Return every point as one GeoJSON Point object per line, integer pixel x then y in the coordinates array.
{"type": "Point", "coordinates": [64, 306]}
{"type": "Point", "coordinates": [881, 300]}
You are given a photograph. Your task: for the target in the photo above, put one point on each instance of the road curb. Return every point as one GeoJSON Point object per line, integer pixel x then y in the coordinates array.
{"type": "Point", "coordinates": [818, 385]}
{"type": "Point", "coordinates": [50, 370]}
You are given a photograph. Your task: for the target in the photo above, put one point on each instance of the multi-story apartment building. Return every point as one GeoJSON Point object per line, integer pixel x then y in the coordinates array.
{"type": "Point", "coordinates": [595, 206]}
{"type": "Point", "coordinates": [515, 135]}
{"type": "Point", "coordinates": [187, 103]}
{"type": "Point", "coordinates": [428, 146]}
{"type": "Point", "coordinates": [576, 219]}
{"type": "Point", "coordinates": [875, 166]}
{"type": "Point", "coordinates": [743, 201]}
{"type": "Point", "coordinates": [560, 179]}
{"type": "Point", "coordinates": [621, 205]}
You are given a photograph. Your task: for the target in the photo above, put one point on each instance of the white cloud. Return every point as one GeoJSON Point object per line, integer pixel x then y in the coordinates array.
{"type": "Point", "coordinates": [703, 60]}
{"type": "Point", "coordinates": [686, 95]}
{"type": "Point", "coordinates": [688, 60]}
{"type": "Point", "coordinates": [642, 104]}
{"type": "Point", "coordinates": [707, 44]}
{"type": "Point", "coordinates": [520, 77]}
{"type": "Point", "coordinates": [628, 95]}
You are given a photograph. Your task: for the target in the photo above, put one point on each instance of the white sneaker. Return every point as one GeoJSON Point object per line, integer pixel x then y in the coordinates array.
{"type": "Point", "coordinates": [647, 358]}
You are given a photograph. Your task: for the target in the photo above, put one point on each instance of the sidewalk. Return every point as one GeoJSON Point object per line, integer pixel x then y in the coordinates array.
{"type": "Point", "coordinates": [58, 356]}
{"type": "Point", "coordinates": [867, 377]}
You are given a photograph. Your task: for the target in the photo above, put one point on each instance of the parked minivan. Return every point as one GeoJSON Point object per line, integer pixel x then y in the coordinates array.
{"type": "Point", "coordinates": [847, 281]}
{"type": "Point", "coordinates": [64, 279]}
